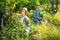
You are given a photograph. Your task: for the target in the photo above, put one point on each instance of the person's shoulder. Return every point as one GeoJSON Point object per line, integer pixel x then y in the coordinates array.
{"type": "Point", "coordinates": [37, 10]}
{"type": "Point", "coordinates": [26, 17]}
{"type": "Point", "coordinates": [34, 10]}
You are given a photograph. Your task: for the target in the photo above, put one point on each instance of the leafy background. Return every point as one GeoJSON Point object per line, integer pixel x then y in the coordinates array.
{"type": "Point", "coordinates": [12, 31]}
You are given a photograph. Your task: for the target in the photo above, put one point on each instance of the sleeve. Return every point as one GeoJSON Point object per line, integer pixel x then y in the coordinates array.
{"type": "Point", "coordinates": [44, 9]}
{"type": "Point", "coordinates": [17, 17]}
{"type": "Point", "coordinates": [26, 21]}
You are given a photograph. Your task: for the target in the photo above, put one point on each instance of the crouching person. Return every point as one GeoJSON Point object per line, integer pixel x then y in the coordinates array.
{"type": "Point", "coordinates": [36, 14]}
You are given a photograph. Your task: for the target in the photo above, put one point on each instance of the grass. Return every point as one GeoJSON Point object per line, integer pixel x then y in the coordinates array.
{"type": "Point", "coordinates": [48, 31]}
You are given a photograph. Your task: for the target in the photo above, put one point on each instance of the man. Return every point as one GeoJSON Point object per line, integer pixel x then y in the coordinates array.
{"type": "Point", "coordinates": [24, 19]}
{"type": "Point", "coordinates": [36, 14]}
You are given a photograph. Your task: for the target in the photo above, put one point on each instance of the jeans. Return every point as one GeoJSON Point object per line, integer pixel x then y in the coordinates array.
{"type": "Point", "coordinates": [36, 20]}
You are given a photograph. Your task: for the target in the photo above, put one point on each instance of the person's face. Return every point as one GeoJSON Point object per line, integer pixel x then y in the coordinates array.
{"type": "Point", "coordinates": [38, 7]}
{"type": "Point", "coordinates": [23, 12]}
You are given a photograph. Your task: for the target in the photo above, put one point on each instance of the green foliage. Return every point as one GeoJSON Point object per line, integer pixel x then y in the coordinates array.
{"type": "Point", "coordinates": [2, 6]}
{"type": "Point", "coordinates": [14, 31]}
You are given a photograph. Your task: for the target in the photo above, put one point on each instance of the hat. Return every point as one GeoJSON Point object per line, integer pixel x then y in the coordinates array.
{"type": "Point", "coordinates": [25, 9]}
{"type": "Point", "coordinates": [37, 4]}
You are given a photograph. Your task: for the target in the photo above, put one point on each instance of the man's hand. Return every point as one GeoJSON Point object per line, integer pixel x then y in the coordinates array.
{"type": "Point", "coordinates": [28, 25]}
{"type": "Point", "coordinates": [39, 17]}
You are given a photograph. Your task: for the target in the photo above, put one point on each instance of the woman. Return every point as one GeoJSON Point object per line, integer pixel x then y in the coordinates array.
{"type": "Point", "coordinates": [24, 19]}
